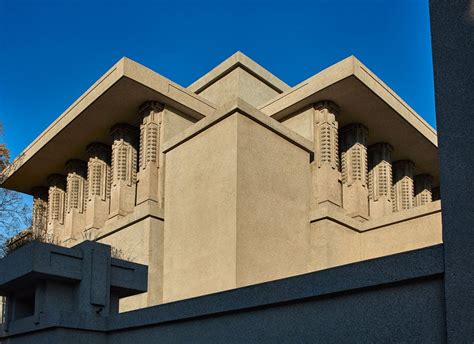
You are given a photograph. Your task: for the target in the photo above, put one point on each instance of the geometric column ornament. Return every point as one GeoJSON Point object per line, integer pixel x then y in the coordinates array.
{"type": "Point", "coordinates": [56, 206]}
{"type": "Point", "coordinates": [40, 210]}
{"type": "Point", "coordinates": [124, 169]}
{"type": "Point", "coordinates": [151, 114]}
{"type": "Point", "coordinates": [423, 192]}
{"type": "Point", "coordinates": [325, 169]}
{"type": "Point", "coordinates": [380, 179]}
{"type": "Point", "coordinates": [354, 170]}
{"type": "Point", "coordinates": [403, 185]}
{"type": "Point", "coordinates": [75, 200]}
{"type": "Point", "coordinates": [98, 185]}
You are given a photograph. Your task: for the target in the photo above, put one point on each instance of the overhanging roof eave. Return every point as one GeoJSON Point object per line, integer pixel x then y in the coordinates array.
{"type": "Point", "coordinates": [125, 68]}
{"type": "Point", "coordinates": [285, 103]}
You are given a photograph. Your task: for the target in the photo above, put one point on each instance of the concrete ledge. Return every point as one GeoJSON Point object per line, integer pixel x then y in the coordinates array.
{"type": "Point", "coordinates": [349, 222]}
{"type": "Point", "coordinates": [75, 287]}
{"type": "Point", "coordinates": [141, 212]}
{"type": "Point", "coordinates": [402, 216]}
{"type": "Point", "coordinates": [37, 258]}
{"type": "Point", "coordinates": [247, 110]}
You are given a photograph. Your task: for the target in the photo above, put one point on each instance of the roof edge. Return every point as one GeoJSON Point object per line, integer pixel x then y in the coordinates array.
{"type": "Point", "coordinates": [371, 80]}
{"type": "Point", "coordinates": [124, 68]}
{"type": "Point", "coordinates": [108, 79]}
{"type": "Point", "coordinates": [350, 66]}
{"type": "Point", "coordinates": [236, 60]}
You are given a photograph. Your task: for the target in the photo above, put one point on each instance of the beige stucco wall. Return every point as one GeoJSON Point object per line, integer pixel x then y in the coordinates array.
{"type": "Point", "coordinates": [238, 84]}
{"type": "Point", "coordinates": [225, 191]}
{"type": "Point", "coordinates": [141, 242]}
{"type": "Point", "coordinates": [333, 244]}
{"type": "Point", "coordinates": [174, 122]}
{"type": "Point", "coordinates": [338, 240]}
{"type": "Point", "coordinates": [272, 174]}
{"type": "Point", "coordinates": [420, 228]}
{"type": "Point", "coordinates": [200, 212]}
{"type": "Point", "coordinates": [253, 90]}
{"type": "Point", "coordinates": [301, 122]}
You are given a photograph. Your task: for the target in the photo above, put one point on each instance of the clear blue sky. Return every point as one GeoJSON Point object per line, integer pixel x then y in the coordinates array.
{"type": "Point", "coordinates": [52, 51]}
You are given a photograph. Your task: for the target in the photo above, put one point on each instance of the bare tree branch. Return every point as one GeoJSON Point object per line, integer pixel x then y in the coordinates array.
{"type": "Point", "coordinates": [15, 215]}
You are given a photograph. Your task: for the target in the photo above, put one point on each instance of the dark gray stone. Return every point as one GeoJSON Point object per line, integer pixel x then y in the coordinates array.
{"type": "Point", "coordinates": [48, 285]}
{"type": "Point", "coordinates": [452, 29]}
{"type": "Point", "coordinates": [396, 298]}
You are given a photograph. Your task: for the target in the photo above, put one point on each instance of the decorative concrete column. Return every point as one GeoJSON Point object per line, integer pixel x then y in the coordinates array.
{"type": "Point", "coordinates": [325, 172]}
{"type": "Point", "coordinates": [423, 192]}
{"type": "Point", "coordinates": [380, 179]}
{"type": "Point", "coordinates": [98, 185]}
{"type": "Point", "coordinates": [56, 205]}
{"type": "Point", "coordinates": [354, 170]}
{"type": "Point", "coordinates": [40, 210]}
{"type": "Point", "coordinates": [403, 186]}
{"type": "Point", "coordinates": [124, 170]}
{"type": "Point", "coordinates": [151, 114]}
{"type": "Point", "coordinates": [75, 199]}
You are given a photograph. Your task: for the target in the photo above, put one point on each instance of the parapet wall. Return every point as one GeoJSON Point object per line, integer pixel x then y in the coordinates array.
{"type": "Point", "coordinates": [337, 239]}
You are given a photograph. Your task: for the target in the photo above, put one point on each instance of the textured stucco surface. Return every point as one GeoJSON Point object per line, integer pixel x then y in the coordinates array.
{"type": "Point", "coordinates": [242, 174]}
{"type": "Point", "coordinates": [452, 32]}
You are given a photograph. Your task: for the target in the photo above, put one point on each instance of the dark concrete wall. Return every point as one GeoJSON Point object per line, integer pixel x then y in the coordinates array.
{"type": "Point", "coordinates": [452, 29]}
{"type": "Point", "coordinates": [58, 336]}
{"type": "Point", "coordinates": [398, 298]}
{"type": "Point", "coordinates": [404, 312]}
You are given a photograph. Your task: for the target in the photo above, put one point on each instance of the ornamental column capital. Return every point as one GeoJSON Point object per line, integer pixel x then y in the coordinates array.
{"type": "Point", "coordinates": [98, 150]}
{"type": "Point", "coordinates": [328, 105]}
{"type": "Point", "coordinates": [57, 180]}
{"type": "Point", "coordinates": [126, 132]}
{"type": "Point", "coordinates": [148, 107]}
{"type": "Point", "coordinates": [77, 166]}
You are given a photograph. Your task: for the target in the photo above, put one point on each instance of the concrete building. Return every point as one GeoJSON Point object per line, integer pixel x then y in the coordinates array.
{"type": "Point", "coordinates": [237, 179]}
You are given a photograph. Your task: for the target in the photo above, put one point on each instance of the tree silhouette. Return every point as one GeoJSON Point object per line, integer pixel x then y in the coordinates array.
{"type": "Point", "coordinates": [15, 214]}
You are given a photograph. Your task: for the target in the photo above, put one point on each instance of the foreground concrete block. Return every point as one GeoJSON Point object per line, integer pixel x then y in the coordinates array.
{"type": "Point", "coordinates": [49, 282]}
{"type": "Point", "coordinates": [228, 180]}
